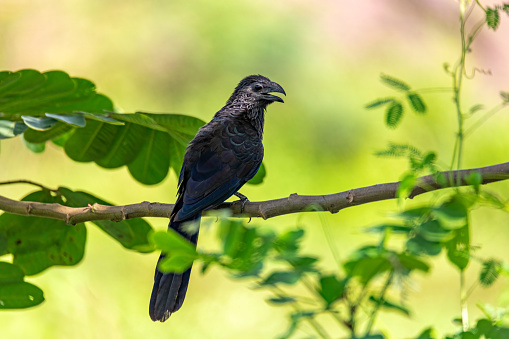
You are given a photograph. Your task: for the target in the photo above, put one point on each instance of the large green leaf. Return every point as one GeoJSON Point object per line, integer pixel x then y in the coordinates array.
{"type": "Point", "coordinates": [130, 233]}
{"type": "Point", "coordinates": [29, 92]}
{"type": "Point", "coordinates": [91, 143]}
{"type": "Point", "coordinates": [127, 143]}
{"type": "Point", "coordinates": [54, 132]}
{"type": "Point", "coordinates": [39, 243]}
{"type": "Point", "coordinates": [182, 128]}
{"type": "Point", "coordinates": [152, 162]}
{"type": "Point", "coordinates": [14, 292]}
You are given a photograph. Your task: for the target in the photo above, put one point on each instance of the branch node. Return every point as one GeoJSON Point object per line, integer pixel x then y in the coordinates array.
{"type": "Point", "coordinates": [350, 196]}
{"type": "Point", "coordinates": [122, 213]}
{"type": "Point", "coordinates": [68, 218]}
{"type": "Point", "coordinates": [29, 208]}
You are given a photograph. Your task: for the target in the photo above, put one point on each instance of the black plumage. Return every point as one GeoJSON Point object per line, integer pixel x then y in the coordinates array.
{"type": "Point", "coordinates": [222, 157]}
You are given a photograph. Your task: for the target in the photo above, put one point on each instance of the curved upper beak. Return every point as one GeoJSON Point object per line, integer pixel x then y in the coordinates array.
{"type": "Point", "coordinates": [273, 88]}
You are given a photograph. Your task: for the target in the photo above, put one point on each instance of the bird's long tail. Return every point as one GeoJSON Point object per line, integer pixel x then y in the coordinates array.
{"type": "Point", "coordinates": [170, 289]}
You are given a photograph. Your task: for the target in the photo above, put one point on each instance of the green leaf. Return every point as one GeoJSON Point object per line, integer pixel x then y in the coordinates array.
{"type": "Point", "coordinates": [505, 8]}
{"type": "Point", "coordinates": [393, 114]}
{"type": "Point", "coordinates": [281, 300]}
{"type": "Point", "coordinates": [474, 178]}
{"type": "Point", "coordinates": [428, 333]}
{"type": "Point", "coordinates": [390, 305]}
{"type": "Point", "coordinates": [416, 102]}
{"type": "Point", "coordinates": [182, 128]}
{"type": "Point", "coordinates": [29, 92]}
{"type": "Point", "coordinates": [36, 148]}
{"type": "Point", "coordinates": [281, 277]}
{"type": "Point", "coordinates": [475, 108]}
{"type": "Point", "coordinates": [411, 263]}
{"type": "Point", "coordinates": [505, 95]}
{"type": "Point", "coordinates": [289, 242]}
{"type": "Point", "coordinates": [138, 119]}
{"type": "Point", "coordinates": [418, 245]}
{"type": "Point", "coordinates": [433, 231]}
{"type": "Point", "coordinates": [378, 103]}
{"type": "Point", "coordinates": [10, 129]}
{"type": "Point", "coordinates": [489, 272]}
{"type": "Point", "coordinates": [10, 273]}
{"type": "Point", "coordinates": [54, 132]}
{"type": "Point", "coordinates": [394, 83]}
{"type": "Point", "coordinates": [406, 185]}
{"type": "Point", "coordinates": [259, 176]}
{"type": "Point", "coordinates": [39, 124]}
{"type": "Point", "coordinates": [130, 233]}
{"type": "Point", "coordinates": [331, 288]}
{"type": "Point", "coordinates": [492, 200]}
{"type": "Point", "coordinates": [492, 18]}
{"type": "Point", "coordinates": [177, 262]}
{"type": "Point", "coordinates": [233, 233]}
{"type": "Point", "coordinates": [399, 229]}
{"type": "Point", "coordinates": [453, 213]}
{"type": "Point", "coordinates": [126, 145]}
{"type": "Point", "coordinates": [458, 248]}
{"type": "Point", "coordinates": [302, 264]}
{"type": "Point", "coordinates": [414, 213]}
{"type": "Point", "coordinates": [73, 120]}
{"type": "Point", "coordinates": [14, 292]}
{"type": "Point", "coordinates": [367, 268]}
{"type": "Point", "coordinates": [90, 143]}
{"type": "Point", "coordinates": [173, 243]}
{"type": "Point", "coordinates": [102, 117]}
{"type": "Point", "coordinates": [153, 160]}
{"type": "Point", "coordinates": [485, 327]}
{"type": "Point", "coordinates": [38, 243]}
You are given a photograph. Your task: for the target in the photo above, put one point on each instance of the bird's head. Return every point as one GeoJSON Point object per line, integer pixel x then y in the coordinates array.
{"type": "Point", "coordinates": [254, 91]}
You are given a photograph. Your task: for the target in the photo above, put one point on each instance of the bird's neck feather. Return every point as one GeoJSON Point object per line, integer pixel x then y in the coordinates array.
{"type": "Point", "coordinates": [244, 109]}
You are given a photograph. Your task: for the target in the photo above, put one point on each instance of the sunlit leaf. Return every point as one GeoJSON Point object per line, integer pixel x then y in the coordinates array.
{"type": "Point", "coordinates": [281, 277]}
{"type": "Point", "coordinates": [394, 83]}
{"type": "Point", "coordinates": [416, 102]}
{"type": "Point", "coordinates": [73, 120]}
{"type": "Point", "coordinates": [378, 103]}
{"type": "Point", "coordinates": [492, 18]}
{"type": "Point", "coordinates": [38, 243]}
{"type": "Point", "coordinates": [14, 292]}
{"type": "Point", "coordinates": [390, 305]}
{"type": "Point", "coordinates": [393, 114]}
{"type": "Point", "coordinates": [10, 129]}
{"type": "Point", "coordinates": [39, 124]}
{"type": "Point", "coordinates": [130, 233]}
{"type": "Point", "coordinates": [489, 272]}
{"type": "Point", "coordinates": [331, 288]}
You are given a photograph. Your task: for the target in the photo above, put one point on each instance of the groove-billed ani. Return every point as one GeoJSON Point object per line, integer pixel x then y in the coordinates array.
{"type": "Point", "coordinates": [222, 157]}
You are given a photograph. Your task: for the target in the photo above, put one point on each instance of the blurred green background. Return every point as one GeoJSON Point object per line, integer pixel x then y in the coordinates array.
{"type": "Point", "coordinates": [186, 57]}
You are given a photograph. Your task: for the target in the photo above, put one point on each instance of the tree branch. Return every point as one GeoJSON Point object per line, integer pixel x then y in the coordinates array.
{"type": "Point", "coordinates": [264, 209]}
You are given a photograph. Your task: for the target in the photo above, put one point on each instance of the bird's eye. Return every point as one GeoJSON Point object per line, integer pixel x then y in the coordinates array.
{"type": "Point", "coordinates": [258, 87]}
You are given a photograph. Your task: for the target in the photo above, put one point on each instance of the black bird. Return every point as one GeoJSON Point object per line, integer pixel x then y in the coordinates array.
{"type": "Point", "coordinates": [222, 157]}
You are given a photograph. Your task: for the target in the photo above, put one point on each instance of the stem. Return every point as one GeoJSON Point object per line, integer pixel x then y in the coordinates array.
{"type": "Point", "coordinates": [328, 237]}
{"type": "Point", "coordinates": [377, 306]}
{"type": "Point", "coordinates": [21, 181]}
{"type": "Point", "coordinates": [464, 306]}
{"type": "Point", "coordinates": [482, 120]}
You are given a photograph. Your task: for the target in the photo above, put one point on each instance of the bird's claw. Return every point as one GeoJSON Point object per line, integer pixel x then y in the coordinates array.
{"type": "Point", "coordinates": [243, 200]}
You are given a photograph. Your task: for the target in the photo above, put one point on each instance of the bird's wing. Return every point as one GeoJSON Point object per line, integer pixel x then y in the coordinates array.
{"type": "Point", "coordinates": [221, 169]}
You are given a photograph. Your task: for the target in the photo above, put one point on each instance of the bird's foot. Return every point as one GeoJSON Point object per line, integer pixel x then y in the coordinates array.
{"type": "Point", "coordinates": [243, 200]}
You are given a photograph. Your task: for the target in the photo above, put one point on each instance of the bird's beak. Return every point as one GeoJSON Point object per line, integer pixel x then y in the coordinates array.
{"type": "Point", "coordinates": [274, 87]}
